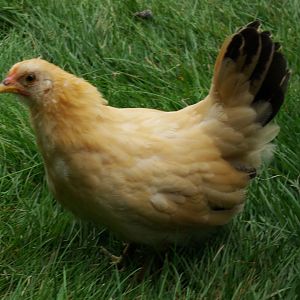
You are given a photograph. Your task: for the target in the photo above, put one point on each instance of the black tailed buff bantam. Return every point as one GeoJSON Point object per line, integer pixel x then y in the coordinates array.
{"type": "Point", "coordinates": [150, 176]}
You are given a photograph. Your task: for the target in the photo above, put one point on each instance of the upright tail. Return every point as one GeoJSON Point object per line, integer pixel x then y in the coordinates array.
{"type": "Point", "coordinates": [248, 88]}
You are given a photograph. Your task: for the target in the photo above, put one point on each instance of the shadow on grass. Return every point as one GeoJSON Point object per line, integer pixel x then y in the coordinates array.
{"type": "Point", "coordinates": [83, 241]}
{"type": "Point", "coordinates": [147, 263]}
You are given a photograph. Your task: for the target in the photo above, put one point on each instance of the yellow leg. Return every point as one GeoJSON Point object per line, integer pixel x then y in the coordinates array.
{"type": "Point", "coordinates": [117, 260]}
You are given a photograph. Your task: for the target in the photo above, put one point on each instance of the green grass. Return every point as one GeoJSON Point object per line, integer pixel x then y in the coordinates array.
{"type": "Point", "coordinates": [162, 63]}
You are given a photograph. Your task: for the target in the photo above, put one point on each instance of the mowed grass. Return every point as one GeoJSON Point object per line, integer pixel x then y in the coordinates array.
{"type": "Point", "coordinates": [162, 63]}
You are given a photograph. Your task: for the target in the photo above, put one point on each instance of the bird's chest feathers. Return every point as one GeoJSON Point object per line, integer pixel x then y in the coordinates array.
{"type": "Point", "coordinates": [75, 179]}
{"type": "Point", "coordinates": [74, 168]}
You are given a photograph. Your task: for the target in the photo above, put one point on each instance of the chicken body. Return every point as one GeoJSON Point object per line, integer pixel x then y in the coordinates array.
{"type": "Point", "coordinates": [152, 177]}
{"type": "Point", "coordinates": [157, 177]}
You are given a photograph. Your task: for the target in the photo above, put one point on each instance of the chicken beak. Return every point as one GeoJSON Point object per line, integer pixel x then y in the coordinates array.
{"type": "Point", "coordinates": [8, 89]}
{"type": "Point", "coordinates": [8, 86]}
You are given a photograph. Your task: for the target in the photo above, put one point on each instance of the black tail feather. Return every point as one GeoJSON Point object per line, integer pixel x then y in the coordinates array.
{"type": "Point", "coordinates": [274, 86]}
{"type": "Point", "coordinates": [270, 75]}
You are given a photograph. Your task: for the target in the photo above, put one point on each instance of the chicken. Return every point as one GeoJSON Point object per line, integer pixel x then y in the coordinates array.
{"type": "Point", "coordinates": [156, 177]}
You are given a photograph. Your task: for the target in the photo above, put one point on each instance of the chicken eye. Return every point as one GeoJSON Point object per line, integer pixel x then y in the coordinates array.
{"type": "Point", "coordinates": [30, 78]}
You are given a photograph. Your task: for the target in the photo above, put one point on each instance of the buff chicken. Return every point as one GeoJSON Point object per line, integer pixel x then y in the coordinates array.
{"type": "Point", "coordinates": [150, 176]}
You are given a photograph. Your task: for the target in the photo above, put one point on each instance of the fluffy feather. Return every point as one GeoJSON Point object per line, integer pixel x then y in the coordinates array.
{"type": "Point", "coordinates": [156, 177]}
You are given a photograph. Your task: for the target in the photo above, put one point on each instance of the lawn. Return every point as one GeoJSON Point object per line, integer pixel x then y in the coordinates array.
{"type": "Point", "coordinates": [166, 63]}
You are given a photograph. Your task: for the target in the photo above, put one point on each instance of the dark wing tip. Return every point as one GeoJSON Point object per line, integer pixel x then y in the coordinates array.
{"type": "Point", "coordinates": [255, 24]}
{"type": "Point", "coordinates": [277, 46]}
{"type": "Point", "coordinates": [267, 32]}
{"type": "Point", "coordinates": [233, 50]}
{"type": "Point", "coordinates": [285, 80]}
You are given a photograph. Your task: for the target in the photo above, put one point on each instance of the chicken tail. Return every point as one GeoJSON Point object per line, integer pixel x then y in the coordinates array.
{"type": "Point", "coordinates": [248, 88]}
